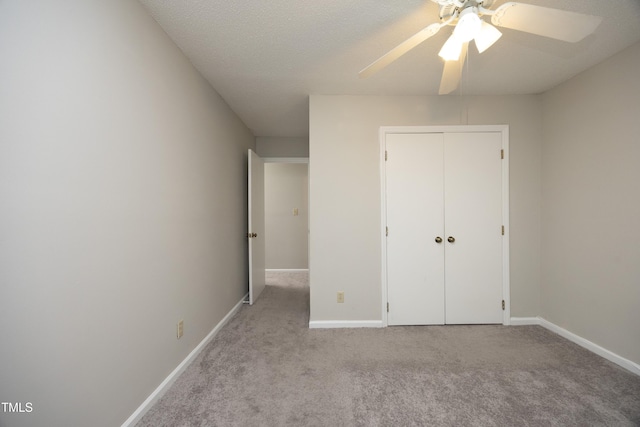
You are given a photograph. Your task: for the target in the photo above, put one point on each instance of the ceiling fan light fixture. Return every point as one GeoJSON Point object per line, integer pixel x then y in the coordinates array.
{"type": "Point", "coordinates": [468, 26]}
{"type": "Point", "coordinates": [451, 48]}
{"type": "Point", "coordinates": [487, 36]}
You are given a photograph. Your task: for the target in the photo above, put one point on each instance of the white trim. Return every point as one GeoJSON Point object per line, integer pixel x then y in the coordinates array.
{"type": "Point", "coordinates": [523, 321]}
{"type": "Point", "coordinates": [442, 129]}
{"type": "Point", "coordinates": [286, 270]}
{"type": "Point", "coordinates": [330, 324]}
{"type": "Point", "coordinates": [506, 263]}
{"type": "Point", "coordinates": [595, 348]}
{"type": "Point", "coordinates": [173, 376]}
{"type": "Point", "coordinates": [383, 224]}
{"type": "Point", "coordinates": [582, 342]}
{"type": "Point", "coordinates": [286, 159]}
{"type": "Point", "coordinates": [504, 130]}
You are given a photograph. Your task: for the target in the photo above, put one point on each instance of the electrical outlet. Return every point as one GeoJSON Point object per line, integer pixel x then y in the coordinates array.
{"type": "Point", "coordinates": [180, 328]}
{"type": "Point", "coordinates": [295, 211]}
{"type": "Point", "coordinates": [340, 297]}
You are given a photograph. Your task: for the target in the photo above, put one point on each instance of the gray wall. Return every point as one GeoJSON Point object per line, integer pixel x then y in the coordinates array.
{"type": "Point", "coordinates": [122, 209]}
{"type": "Point", "coordinates": [285, 189]}
{"type": "Point", "coordinates": [591, 205]}
{"type": "Point", "coordinates": [282, 147]}
{"type": "Point", "coordinates": [344, 178]}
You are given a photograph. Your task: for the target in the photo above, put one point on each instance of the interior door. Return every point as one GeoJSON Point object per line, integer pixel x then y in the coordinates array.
{"type": "Point", "coordinates": [473, 218]}
{"type": "Point", "coordinates": [256, 227]}
{"type": "Point", "coordinates": [415, 261]}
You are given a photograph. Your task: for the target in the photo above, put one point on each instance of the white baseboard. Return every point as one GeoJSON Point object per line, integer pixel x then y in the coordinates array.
{"type": "Point", "coordinates": [582, 342]}
{"type": "Point", "coordinates": [600, 351]}
{"type": "Point", "coordinates": [286, 270]}
{"type": "Point", "coordinates": [173, 376]}
{"type": "Point", "coordinates": [330, 324]}
{"type": "Point", "coordinates": [522, 321]}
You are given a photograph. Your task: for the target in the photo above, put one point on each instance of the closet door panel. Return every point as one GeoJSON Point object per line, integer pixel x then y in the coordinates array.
{"type": "Point", "coordinates": [473, 217]}
{"type": "Point", "coordinates": [415, 262]}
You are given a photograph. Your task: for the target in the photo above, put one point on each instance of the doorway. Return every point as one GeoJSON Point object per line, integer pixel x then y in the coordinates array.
{"type": "Point", "coordinates": [286, 215]}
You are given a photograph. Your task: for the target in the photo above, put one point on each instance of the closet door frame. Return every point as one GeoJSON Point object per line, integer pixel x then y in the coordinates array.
{"type": "Point", "coordinates": [504, 130]}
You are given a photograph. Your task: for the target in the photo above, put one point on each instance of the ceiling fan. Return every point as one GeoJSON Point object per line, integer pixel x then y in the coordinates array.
{"type": "Point", "coordinates": [466, 17]}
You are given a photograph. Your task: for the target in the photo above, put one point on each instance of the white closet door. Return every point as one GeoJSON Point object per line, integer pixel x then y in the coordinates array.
{"type": "Point", "coordinates": [415, 262]}
{"type": "Point", "coordinates": [473, 217]}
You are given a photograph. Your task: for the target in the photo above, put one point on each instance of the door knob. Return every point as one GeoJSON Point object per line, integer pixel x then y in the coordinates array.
{"type": "Point", "coordinates": [254, 235]}
{"type": "Point", "coordinates": [438, 239]}
{"type": "Point", "coordinates": [451, 239]}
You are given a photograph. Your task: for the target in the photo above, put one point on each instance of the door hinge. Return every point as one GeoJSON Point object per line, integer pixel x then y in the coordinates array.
{"type": "Point", "coordinates": [387, 231]}
{"type": "Point", "coordinates": [503, 304]}
{"type": "Point", "coordinates": [503, 230]}
{"type": "Point", "coordinates": [387, 307]}
{"type": "Point", "coordinates": [502, 154]}
{"type": "Point", "coordinates": [386, 157]}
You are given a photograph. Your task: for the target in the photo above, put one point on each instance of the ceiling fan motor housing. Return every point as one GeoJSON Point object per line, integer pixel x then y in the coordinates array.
{"type": "Point", "coordinates": [449, 8]}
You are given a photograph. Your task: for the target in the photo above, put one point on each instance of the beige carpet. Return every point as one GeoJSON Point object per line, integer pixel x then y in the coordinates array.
{"type": "Point", "coordinates": [266, 368]}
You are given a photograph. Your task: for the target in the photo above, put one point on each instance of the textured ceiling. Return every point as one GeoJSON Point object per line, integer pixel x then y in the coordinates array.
{"type": "Point", "coordinates": [266, 57]}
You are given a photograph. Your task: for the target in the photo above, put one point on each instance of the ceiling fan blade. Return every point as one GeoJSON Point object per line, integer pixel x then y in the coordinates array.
{"type": "Point", "coordinates": [400, 50]}
{"type": "Point", "coordinates": [452, 73]}
{"type": "Point", "coordinates": [543, 21]}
